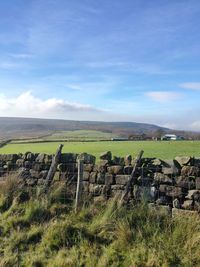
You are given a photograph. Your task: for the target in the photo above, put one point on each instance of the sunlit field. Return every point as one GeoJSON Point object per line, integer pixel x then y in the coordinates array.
{"type": "Point", "coordinates": [163, 150]}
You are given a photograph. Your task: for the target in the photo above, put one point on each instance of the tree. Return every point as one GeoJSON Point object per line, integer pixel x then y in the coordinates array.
{"type": "Point", "coordinates": [159, 133]}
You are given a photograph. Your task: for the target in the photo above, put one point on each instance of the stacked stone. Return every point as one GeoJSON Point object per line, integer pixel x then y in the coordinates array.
{"type": "Point", "coordinates": [174, 183]}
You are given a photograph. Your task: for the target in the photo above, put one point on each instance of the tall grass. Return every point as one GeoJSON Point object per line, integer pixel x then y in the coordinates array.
{"type": "Point", "coordinates": [102, 235]}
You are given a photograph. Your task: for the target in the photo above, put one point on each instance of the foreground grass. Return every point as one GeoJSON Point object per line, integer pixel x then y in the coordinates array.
{"type": "Point", "coordinates": [44, 231]}
{"type": "Point", "coordinates": [163, 150]}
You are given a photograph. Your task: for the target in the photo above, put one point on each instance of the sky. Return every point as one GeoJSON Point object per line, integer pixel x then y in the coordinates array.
{"type": "Point", "coordinates": [105, 60]}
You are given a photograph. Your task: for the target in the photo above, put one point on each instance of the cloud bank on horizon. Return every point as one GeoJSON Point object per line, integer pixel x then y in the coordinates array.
{"type": "Point", "coordinates": [101, 60]}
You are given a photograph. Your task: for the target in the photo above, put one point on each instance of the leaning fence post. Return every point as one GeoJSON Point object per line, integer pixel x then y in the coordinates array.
{"type": "Point", "coordinates": [132, 177]}
{"type": "Point", "coordinates": [79, 185]}
{"type": "Point", "coordinates": [53, 167]}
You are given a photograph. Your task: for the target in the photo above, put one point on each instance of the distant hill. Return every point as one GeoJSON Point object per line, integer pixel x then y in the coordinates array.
{"type": "Point", "coordinates": [26, 127]}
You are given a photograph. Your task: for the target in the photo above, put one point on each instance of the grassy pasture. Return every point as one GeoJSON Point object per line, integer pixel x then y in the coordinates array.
{"type": "Point", "coordinates": [44, 231]}
{"type": "Point", "coordinates": [163, 150]}
{"type": "Point", "coordinates": [77, 135]}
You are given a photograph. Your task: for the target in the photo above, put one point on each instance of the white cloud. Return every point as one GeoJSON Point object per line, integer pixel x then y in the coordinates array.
{"type": "Point", "coordinates": [163, 96]}
{"type": "Point", "coordinates": [190, 85]}
{"type": "Point", "coordinates": [195, 126]}
{"type": "Point", "coordinates": [27, 105]}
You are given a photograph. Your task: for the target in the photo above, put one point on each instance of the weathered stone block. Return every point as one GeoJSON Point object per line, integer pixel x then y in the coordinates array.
{"type": "Point", "coordinates": [20, 163]}
{"type": "Point", "coordinates": [128, 170]}
{"type": "Point", "coordinates": [188, 205]}
{"type": "Point", "coordinates": [100, 178]}
{"type": "Point", "coordinates": [10, 166]}
{"type": "Point", "coordinates": [104, 163]}
{"type": "Point", "coordinates": [161, 178]}
{"type": "Point", "coordinates": [190, 171]}
{"type": "Point", "coordinates": [117, 161]}
{"type": "Point", "coordinates": [27, 164]}
{"type": "Point", "coordinates": [106, 156]}
{"type": "Point", "coordinates": [185, 182]}
{"type": "Point", "coordinates": [193, 195]}
{"type": "Point", "coordinates": [127, 160]}
{"type": "Point", "coordinates": [37, 166]}
{"type": "Point", "coordinates": [96, 190]}
{"type": "Point", "coordinates": [170, 168]}
{"type": "Point", "coordinates": [93, 177]}
{"type": "Point", "coordinates": [8, 157]}
{"type": "Point", "coordinates": [29, 156]}
{"type": "Point", "coordinates": [196, 162]}
{"type": "Point", "coordinates": [86, 158]}
{"type": "Point", "coordinates": [197, 182]}
{"type": "Point", "coordinates": [176, 203]}
{"type": "Point", "coordinates": [183, 213]}
{"type": "Point", "coordinates": [68, 157]}
{"type": "Point", "coordinates": [86, 176]}
{"type": "Point", "coordinates": [40, 158]}
{"type": "Point", "coordinates": [171, 191]}
{"type": "Point", "coordinates": [100, 168]}
{"type": "Point", "coordinates": [116, 190]}
{"type": "Point", "coordinates": [117, 169]}
{"type": "Point", "coordinates": [156, 162]}
{"type": "Point", "coordinates": [48, 159]}
{"type": "Point", "coordinates": [183, 160]}
{"type": "Point", "coordinates": [88, 167]}
{"type": "Point", "coordinates": [122, 179]}
{"type": "Point", "coordinates": [109, 179]}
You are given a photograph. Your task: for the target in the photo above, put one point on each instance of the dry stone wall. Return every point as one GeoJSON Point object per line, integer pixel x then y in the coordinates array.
{"type": "Point", "coordinates": [171, 183]}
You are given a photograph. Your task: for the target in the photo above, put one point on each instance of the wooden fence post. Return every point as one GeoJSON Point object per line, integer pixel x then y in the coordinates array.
{"type": "Point", "coordinates": [132, 178]}
{"type": "Point", "coordinates": [79, 185]}
{"type": "Point", "coordinates": [53, 168]}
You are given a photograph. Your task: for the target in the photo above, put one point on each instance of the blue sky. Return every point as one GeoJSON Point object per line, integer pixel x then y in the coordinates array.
{"type": "Point", "coordinates": [131, 60]}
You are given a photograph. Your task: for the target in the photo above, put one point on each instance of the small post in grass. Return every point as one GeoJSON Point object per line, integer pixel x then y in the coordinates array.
{"type": "Point", "coordinates": [79, 185]}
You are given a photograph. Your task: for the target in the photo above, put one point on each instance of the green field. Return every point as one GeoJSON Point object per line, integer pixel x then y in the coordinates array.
{"type": "Point", "coordinates": [163, 150]}
{"type": "Point", "coordinates": [77, 135]}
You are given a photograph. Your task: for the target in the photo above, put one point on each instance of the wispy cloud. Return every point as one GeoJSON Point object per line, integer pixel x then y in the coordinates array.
{"type": "Point", "coordinates": [8, 65]}
{"type": "Point", "coordinates": [133, 67]}
{"type": "Point", "coordinates": [163, 96]}
{"type": "Point", "coordinates": [190, 85]}
{"type": "Point", "coordinates": [21, 56]}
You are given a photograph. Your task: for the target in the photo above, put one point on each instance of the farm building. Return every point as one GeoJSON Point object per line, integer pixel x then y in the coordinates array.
{"type": "Point", "coordinates": [171, 137]}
